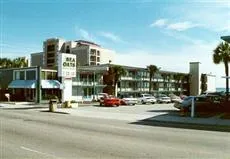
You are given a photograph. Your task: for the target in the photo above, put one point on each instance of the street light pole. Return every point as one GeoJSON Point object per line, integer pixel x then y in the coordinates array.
{"type": "Point", "coordinates": [193, 107]}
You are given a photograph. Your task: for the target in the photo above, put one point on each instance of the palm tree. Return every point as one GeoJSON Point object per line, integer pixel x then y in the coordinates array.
{"type": "Point", "coordinates": [5, 63]}
{"type": "Point", "coordinates": [221, 54]}
{"type": "Point", "coordinates": [17, 62]}
{"type": "Point", "coordinates": [20, 62]}
{"type": "Point", "coordinates": [117, 72]}
{"type": "Point", "coordinates": [152, 70]}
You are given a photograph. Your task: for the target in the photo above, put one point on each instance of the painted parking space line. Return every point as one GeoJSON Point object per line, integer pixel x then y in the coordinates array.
{"type": "Point", "coordinates": [38, 152]}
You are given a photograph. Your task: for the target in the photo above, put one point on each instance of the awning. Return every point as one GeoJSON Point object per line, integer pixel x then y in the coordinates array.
{"type": "Point", "coordinates": [45, 84]}
{"type": "Point", "coordinates": [22, 84]}
{"type": "Point", "coordinates": [50, 84]}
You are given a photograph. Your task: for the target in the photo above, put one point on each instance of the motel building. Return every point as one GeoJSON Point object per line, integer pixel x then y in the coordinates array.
{"type": "Point", "coordinates": [54, 73]}
{"type": "Point", "coordinates": [83, 83]}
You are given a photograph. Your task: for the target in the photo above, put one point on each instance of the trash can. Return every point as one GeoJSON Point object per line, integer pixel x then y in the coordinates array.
{"type": "Point", "coordinates": [52, 105]}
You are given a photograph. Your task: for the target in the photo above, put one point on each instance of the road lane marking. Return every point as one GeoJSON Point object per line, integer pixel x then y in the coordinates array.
{"type": "Point", "coordinates": [35, 151]}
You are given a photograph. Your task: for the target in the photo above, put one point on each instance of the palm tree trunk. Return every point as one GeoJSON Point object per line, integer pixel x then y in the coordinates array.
{"type": "Point", "coordinates": [150, 82]}
{"type": "Point", "coordinates": [116, 90]}
{"type": "Point", "coordinates": [227, 79]}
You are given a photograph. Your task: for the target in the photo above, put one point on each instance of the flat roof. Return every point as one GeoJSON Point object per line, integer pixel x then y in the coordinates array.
{"type": "Point", "coordinates": [226, 38]}
{"type": "Point", "coordinates": [18, 68]}
{"type": "Point", "coordinates": [106, 66]}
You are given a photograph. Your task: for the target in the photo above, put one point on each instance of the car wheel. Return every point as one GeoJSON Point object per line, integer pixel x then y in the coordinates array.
{"type": "Point", "coordinates": [153, 102]}
{"type": "Point", "coordinates": [142, 102]}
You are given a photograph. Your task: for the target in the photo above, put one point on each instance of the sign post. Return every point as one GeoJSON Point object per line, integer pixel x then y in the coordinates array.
{"type": "Point", "coordinates": [66, 70]}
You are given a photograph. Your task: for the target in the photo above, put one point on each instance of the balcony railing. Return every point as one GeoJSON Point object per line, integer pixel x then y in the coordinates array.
{"type": "Point", "coordinates": [87, 83]}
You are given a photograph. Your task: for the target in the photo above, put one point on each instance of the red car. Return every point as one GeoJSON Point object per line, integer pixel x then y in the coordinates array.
{"type": "Point", "coordinates": [110, 101]}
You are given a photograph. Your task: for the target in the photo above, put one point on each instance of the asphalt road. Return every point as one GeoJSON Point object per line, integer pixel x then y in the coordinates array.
{"type": "Point", "coordinates": [38, 135]}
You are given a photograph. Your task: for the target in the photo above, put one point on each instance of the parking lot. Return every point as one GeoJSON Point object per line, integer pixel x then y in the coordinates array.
{"type": "Point", "coordinates": [126, 112]}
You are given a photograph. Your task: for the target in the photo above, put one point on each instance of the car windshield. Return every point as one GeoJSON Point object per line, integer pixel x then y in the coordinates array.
{"type": "Point", "coordinates": [147, 95]}
{"type": "Point", "coordinates": [188, 98]}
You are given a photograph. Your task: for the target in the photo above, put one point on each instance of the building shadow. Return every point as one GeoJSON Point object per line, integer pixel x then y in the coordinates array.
{"type": "Point", "coordinates": [25, 108]}
{"type": "Point", "coordinates": [102, 106]}
{"type": "Point", "coordinates": [47, 111]}
{"type": "Point", "coordinates": [157, 121]}
{"type": "Point", "coordinates": [165, 110]}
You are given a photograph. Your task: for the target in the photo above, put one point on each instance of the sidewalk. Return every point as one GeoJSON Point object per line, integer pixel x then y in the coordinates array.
{"type": "Point", "coordinates": [214, 121]}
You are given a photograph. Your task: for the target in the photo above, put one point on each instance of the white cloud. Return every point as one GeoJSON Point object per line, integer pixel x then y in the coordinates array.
{"type": "Point", "coordinates": [182, 37]}
{"type": "Point", "coordinates": [213, 16]}
{"type": "Point", "coordinates": [159, 23]}
{"type": "Point", "coordinates": [181, 26]}
{"type": "Point", "coordinates": [85, 35]}
{"type": "Point", "coordinates": [110, 36]}
{"type": "Point", "coordinates": [178, 26]}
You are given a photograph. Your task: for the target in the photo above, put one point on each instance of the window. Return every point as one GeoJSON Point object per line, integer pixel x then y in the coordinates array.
{"type": "Point", "coordinates": [19, 75]}
{"type": "Point", "coordinates": [98, 59]}
{"type": "Point", "coordinates": [50, 55]}
{"type": "Point", "coordinates": [92, 63]}
{"type": "Point", "coordinates": [50, 48]}
{"type": "Point", "coordinates": [93, 52]}
{"type": "Point", "coordinates": [92, 58]}
{"type": "Point", "coordinates": [67, 49]}
{"type": "Point", "coordinates": [98, 53]}
{"type": "Point", "coordinates": [51, 75]}
{"type": "Point", "coordinates": [50, 61]}
{"type": "Point", "coordinates": [77, 91]}
{"type": "Point", "coordinates": [43, 75]}
{"type": "Point", "coordinates": [31, 75]}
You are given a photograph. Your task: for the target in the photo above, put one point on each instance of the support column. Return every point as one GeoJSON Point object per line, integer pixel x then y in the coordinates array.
{"type": "Point", "coordinates": [67, 89]}
{"type": "Point", "coordinates": [38, 85]}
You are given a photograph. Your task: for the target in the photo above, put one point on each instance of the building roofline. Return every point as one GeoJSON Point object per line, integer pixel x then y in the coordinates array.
{"type": "Point", "coordinates": [87, 42]}
{"type": "Point", "coordinates": [194, 62]}
{"type": "Point", "coordinates": [226, 38]}
{"type": "Point", "coordinates": [36, 53]}
{"type": "Point", "coordinates": [18, 68]}
{"type": "Point", "coordinates": [105, 66]}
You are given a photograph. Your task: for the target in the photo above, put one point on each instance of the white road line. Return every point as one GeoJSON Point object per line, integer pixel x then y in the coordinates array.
{"type": "Point", "coordinates": [35, 151]}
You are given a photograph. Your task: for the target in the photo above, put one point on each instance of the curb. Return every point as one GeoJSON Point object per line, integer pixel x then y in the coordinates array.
{"type": "Point", "coordinates": [196, 126]}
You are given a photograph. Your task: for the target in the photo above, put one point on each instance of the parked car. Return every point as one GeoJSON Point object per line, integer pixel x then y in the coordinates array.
{"type": "Point", "coordinates": [147, 98]}
{"type": "Point", "coordinates": [129, 100]}
{"type": "Point", "coordinates": [174, 98]}
{"type": "Point", "coordinates": [101, 95]}
{"type": "Point", "coordinates": [185, 103]}
{"type": "Point", "coordinates": [162, 98]}
{"type": "Point", "coordinates": [109, 101]}
{"type": "Point", "coordinates": [202, 103]}
{"type": "Point", "coordinates": [182, 96]}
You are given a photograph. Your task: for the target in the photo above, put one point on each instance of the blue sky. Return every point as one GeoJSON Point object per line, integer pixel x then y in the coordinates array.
{"type": "Point", "coordinates": [167, 33]}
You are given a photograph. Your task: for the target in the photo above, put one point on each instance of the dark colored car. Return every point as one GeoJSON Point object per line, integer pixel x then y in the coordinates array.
{"type": "Point", "coordinates": [202, 103]}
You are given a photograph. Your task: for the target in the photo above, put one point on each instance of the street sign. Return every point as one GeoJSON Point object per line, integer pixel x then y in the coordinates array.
{"type": "Point", "coordinates": [66, 65]}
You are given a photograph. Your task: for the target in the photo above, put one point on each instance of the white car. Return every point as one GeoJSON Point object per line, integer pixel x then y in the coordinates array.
{"type": "Point", "coordinates": [147, 98]}
{"type": "Point", "coordinates": [162, 98]}
{"type": "Point", "coordinates": [101, 95]}
{"type": "Point", "coordinates": [129, 101]}
{"type": "Point", "coordinates": [175, 98]}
